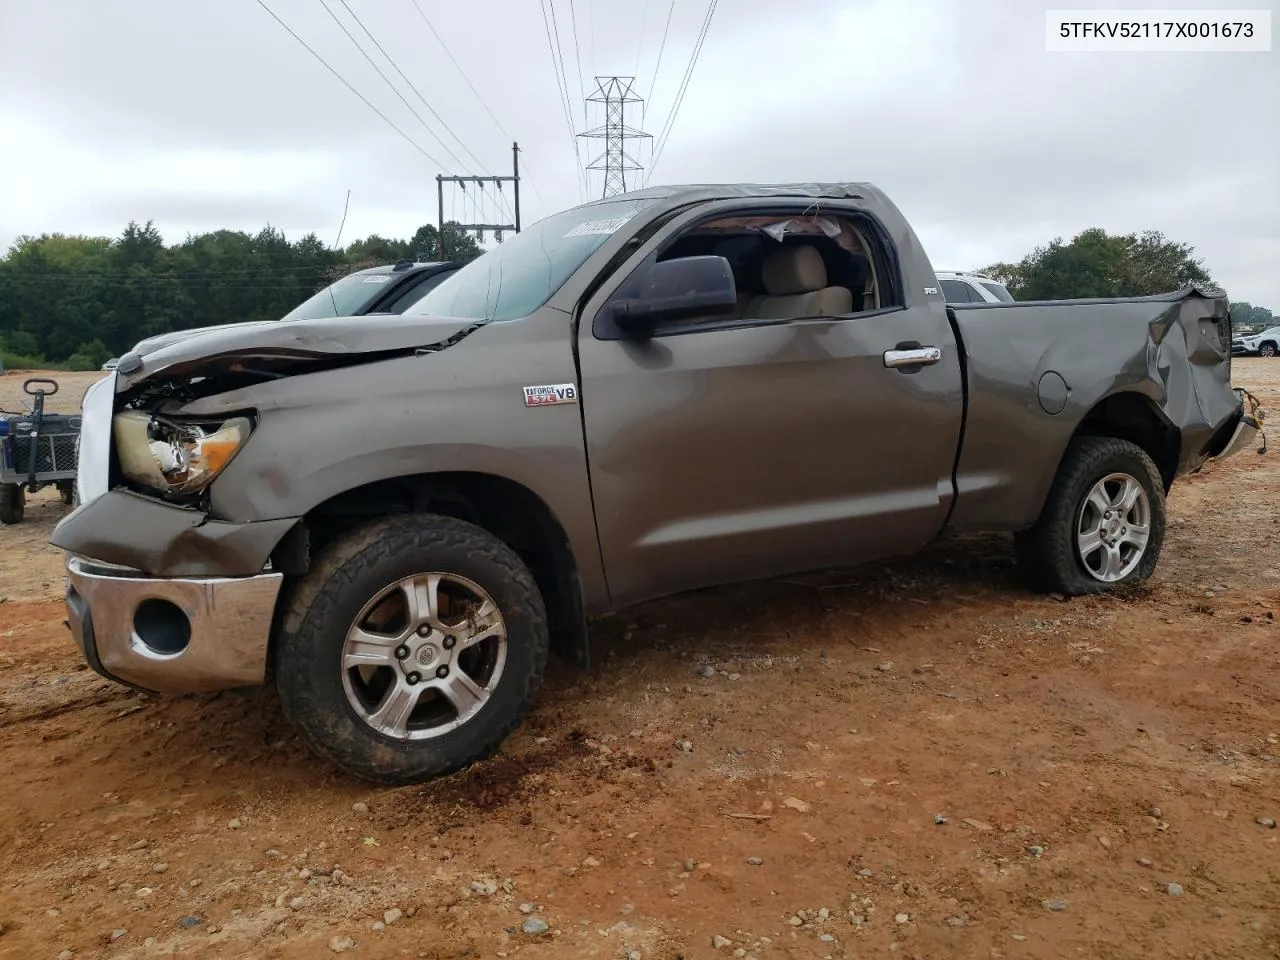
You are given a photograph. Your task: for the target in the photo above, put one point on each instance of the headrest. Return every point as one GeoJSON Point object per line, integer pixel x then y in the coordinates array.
{"type": "Point", "coordinates": [789, 270]}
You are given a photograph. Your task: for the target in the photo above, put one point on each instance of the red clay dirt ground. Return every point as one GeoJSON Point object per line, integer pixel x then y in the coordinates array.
{"type": "Point", "coordinates": [1084, 755]}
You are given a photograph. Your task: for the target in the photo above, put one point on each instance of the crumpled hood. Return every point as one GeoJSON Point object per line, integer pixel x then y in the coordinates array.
{"type": "Point", "coordinates": [187, 350]}
{"type": "Point", "coordinates": [152, 344]}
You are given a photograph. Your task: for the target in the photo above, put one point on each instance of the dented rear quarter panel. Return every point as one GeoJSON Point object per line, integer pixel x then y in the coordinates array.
{"type": "Point", "coordinates": [1169, 348]}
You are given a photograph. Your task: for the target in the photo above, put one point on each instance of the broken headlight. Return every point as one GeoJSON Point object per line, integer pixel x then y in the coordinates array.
{"type": "Point", "coordinates": [173, 457]}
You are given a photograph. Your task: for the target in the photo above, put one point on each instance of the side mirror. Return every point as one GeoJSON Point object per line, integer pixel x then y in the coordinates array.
{"type": "Point", "coordinates": [676, 290]}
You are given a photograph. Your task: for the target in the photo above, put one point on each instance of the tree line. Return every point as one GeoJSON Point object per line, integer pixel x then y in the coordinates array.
{"type": "Point", "coordinates": [76, 301]}
{"type": "Point", "coordinates": [1098, 264]}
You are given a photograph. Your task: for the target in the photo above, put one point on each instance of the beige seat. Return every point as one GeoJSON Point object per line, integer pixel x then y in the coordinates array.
{"type": "Point", "coordinates": [796, 281]}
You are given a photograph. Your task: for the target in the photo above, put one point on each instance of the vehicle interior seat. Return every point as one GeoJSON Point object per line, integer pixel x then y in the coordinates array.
{"type": "Point", "coordinates": [795, 281]}
{"type": "Point", "coordinates": [853, 270]}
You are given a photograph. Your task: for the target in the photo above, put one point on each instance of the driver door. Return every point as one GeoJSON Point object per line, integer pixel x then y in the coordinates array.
{"type": "Point", "coordinates": [738, 449]}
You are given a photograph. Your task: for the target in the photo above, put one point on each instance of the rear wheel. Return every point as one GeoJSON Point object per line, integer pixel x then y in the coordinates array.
{"type": "Point", "coordinates": [13, 503]}
{"type": "Point", "coordinates": [411, 648]}
{"type": "Point", "coordinates": [1102, 525]}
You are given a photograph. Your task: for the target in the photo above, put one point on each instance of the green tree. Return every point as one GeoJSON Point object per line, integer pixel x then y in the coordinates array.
{"type": "Point", "coordinates": [1098, 264]}
{"type": "Point", "coordinates": [375, 249]}
{"type": "Point", "coordinates": [1247, 316]}
{"type": "Point", "coordinates": [66, 298]}
{"type": "Point", "coordinates": [459, 245]}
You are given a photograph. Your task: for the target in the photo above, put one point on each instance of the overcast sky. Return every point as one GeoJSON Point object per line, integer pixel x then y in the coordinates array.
{"type": "Point", "coordinates": [208, 115]}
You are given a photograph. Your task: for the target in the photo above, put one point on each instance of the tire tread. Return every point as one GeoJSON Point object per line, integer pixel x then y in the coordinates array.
{"type": "Point", "coordinates": [1046, 552]}
{"type": "Point", "coordinates": [306, 615]}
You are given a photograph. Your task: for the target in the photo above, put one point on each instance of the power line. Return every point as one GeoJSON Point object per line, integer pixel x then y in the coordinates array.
{"type": "Point", "coordinates": [197, 286]}
{"type": "Point", "coordinates": [449, 53]}
{"type": "Point", "coordinates": [577, 56]}
{"type": "Point", "coordinates": [562, 88]}
{"type": "Point", "coordinates": [387, 80]}
{"type": "Point", "coordinates": [555, 26]}
{"type": "Point", "coordinates": [418, 92]}
{"type": "Point", "coordinates": [591, 30]}
{"type": "Point", "coordinates": [467, 150]}
{"type": "Point", "coordinates": [644, 20]}
{"type": "Point", "coordinates": [658, 66]}
{"type": "Point", "coordinates": [247, 272]}
{"type": "Point", "coordinates": [413, 143]}
{"type": "Point", "coordinates": [684, 86]}
{"type": "Point", "coordinates": [452, 59]}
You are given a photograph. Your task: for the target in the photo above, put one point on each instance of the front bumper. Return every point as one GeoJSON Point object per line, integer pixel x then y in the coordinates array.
{"type": "Point", "coordinates": [171, 635]}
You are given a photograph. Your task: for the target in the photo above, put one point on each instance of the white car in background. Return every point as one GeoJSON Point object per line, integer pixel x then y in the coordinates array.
{"type": "Point", "coordinates": [960, 287]}
{"type": "Point", "coordinates": [1264, 344]}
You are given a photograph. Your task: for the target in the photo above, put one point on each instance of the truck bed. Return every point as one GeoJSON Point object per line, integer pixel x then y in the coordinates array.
{"type": "Point", "coordinates": [1167, 352]}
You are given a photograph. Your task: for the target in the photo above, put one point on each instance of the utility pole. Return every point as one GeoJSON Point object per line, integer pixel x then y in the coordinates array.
{"type": "Point", "coordinates": [615, 94]}
{"type": "Point", "coordinates": [480, 229]}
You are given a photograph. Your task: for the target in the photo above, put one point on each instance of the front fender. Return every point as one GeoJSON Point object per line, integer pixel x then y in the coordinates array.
{"type": "Point", "coordinates": [324, 433]}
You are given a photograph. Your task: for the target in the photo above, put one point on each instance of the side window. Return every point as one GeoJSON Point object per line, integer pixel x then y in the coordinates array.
{"type": "Point", "coordinates": [999, 291]}
{"type": "Point", "coordinates": [786, 266]}
{"type": "Point", "coordinates": [957, 291]}
{"type": "Point", "coordinates": [416, 291]}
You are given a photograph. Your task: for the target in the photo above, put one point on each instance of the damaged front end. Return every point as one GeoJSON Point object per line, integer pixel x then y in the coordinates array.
{"type": "Point", "coordinates": [162, 594]}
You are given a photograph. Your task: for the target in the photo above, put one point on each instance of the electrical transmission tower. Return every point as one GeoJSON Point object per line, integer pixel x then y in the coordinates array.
{"type": "Point", "coordinates": [615, 94]}
{"type": "Point", "coordinates": [480, 229]}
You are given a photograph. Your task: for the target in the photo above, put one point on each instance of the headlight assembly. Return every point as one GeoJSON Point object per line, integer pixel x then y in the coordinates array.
{"type": "Point", "coordinates": [173, 457]}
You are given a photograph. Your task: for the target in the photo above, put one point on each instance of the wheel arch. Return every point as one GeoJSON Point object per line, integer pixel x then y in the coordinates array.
{"type": "Point", "coordinates": [1135, 417]}
{"type": "Point", "coordinates": [505, 508]}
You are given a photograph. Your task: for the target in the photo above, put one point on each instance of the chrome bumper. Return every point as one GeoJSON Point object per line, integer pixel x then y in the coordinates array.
{"type": "Point", "coordinates": [171, 635]}
{"type": "Point", "coordinates": [1247, 429]}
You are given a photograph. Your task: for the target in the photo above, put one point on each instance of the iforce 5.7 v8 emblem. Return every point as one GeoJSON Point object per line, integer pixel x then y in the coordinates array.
{"type": "Point", "coordinates": [552, 393]}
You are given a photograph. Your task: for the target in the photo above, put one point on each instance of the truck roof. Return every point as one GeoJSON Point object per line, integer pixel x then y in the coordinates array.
{"type": "Point", "coordinates": [730, 191]}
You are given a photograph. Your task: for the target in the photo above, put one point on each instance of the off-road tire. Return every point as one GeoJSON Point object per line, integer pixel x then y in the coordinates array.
{"type": "Point", "coordinates": [13, 503]}
{"type": "Point", "coordinates": [1047, 553]}
{"type": "Point", "coordinates": [323, 604]}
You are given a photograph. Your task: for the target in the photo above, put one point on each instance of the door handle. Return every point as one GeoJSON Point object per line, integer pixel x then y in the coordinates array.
{"type": "Point", "coordinates": [917, 357]}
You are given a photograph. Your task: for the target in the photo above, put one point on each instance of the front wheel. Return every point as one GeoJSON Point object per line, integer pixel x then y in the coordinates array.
{"type": "Point", "coordinates": [13, 503]}
{"type": "Point", "coordinates": [1102, 525]}
{"type": "Point", "coordinates": [411, 648]}
{"type": "Point", "coordinates": [1267, 350]}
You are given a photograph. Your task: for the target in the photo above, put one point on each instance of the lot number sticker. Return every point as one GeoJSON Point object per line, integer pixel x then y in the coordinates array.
{"type": "Point", "coordinates": [597, 227]}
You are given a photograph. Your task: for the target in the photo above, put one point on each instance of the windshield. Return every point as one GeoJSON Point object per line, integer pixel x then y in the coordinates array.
{"type": "Point", "coordinates": [343, 298]}
{"type": "Point", "coordinates": [998, 289]}
{"type": "Point", "coordinates": [517, 277]}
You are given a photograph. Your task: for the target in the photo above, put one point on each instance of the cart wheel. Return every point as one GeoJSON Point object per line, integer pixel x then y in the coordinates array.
{"type": "Point", "coordinates": [13, 502]}
{"type": "Point", "coordinates": [68, 491]}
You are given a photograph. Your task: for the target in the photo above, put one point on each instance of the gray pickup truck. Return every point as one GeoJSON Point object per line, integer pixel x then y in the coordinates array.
{"type": "Point", "coordinates": [394, 519]}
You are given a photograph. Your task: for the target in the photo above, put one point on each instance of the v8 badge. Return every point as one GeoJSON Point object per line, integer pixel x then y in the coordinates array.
{"type": "Point", "coordinates": [544, 396]}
